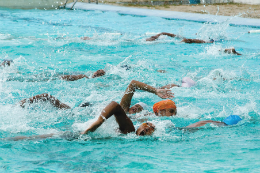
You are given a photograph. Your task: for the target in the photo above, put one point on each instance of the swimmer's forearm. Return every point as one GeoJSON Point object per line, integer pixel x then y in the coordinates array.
{"type": "Point", "coordinates": [106, 113]}
{"type": "Point", "coordinates": [169, 86]}
{"type": "Point", "coordinates": [141, 86]}
{"type": "Point", "coordinates": [202, 123]}
{"type": "Point", "coordinates": [168, 34]}
{"type": "Point", "coordinates": [126, 99]}
{"type": "Point", "coordinates": [73, 77]}
{"type": "Point", "coordinates": [93, 127]}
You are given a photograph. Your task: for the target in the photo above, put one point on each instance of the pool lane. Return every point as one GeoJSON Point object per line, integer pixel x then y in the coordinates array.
{"type": "Point", "coordinates": [169, 14]}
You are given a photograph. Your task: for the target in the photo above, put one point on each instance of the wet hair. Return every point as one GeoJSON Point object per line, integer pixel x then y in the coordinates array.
{"type": "Point", "coordinates": [126, 67]}
{"type": "Point", "coordinates": [85, 104]}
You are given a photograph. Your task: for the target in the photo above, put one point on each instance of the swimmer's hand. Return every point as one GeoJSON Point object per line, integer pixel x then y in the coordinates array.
{"type": "Point", "coordinates": [164, 93]}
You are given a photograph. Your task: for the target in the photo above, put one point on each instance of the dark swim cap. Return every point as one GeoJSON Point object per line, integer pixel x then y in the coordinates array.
{"type": "Point", "coordinates": [85, 104]}
{"type": "Point", "coordinates": [232, 119]}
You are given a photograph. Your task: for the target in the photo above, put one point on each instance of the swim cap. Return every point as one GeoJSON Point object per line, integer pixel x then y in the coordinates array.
{"type": "Point", "coordinates": [164, 104]}
{"type": "Point", "coordinates": [232, 119]}
{"type": "Point", "coordinates": [126, 67]}
{"type": "Point", "coordinates": [85, 104]}
{"type": "Point", "coordinates": [187, 82]}
{"type": "Point", "coordinates": [144, 106]}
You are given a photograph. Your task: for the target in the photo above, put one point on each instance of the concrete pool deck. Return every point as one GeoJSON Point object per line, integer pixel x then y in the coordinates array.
{"type": "Point", "coordinates": [168, 14]}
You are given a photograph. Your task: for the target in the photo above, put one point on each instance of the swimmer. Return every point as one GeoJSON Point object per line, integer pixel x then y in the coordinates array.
{"type": "Point", "coordinates": [186, 82]}
{"type": "Point", "coordinates": [125, 102]}
{"type": "Point", "coordinates": [6, 62]}
{"type": "Point", "coordinates": [124, 122]}
{"type": "Point", "coordinates": [186, 40]}
{"type": "Point", "coordinates": [153, 38]}
{"type": "Point", "coordinates": [230, 120]}
{"type": "Point", "coordinates": [133, 86]}
{"type": "Point", "coordinates": [98, 73]}
{"type": "Point", "coordinates": [232, 51]}
{"type": "Point", "coordinates": [126, 125]}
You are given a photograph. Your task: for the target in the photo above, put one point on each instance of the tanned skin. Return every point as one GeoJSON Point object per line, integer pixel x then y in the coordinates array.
{"type": "Point", "coordinates": [153, 38]}
{"type": "Point", "coordinates": [45, 97]}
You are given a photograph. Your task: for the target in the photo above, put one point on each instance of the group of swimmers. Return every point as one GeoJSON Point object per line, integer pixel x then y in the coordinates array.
{"type": "Point", "coordinates": [163, 108]}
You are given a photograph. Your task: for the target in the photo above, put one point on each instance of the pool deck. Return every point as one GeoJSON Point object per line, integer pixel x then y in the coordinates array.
{"type": "Point", "coordinates": [168, 14]}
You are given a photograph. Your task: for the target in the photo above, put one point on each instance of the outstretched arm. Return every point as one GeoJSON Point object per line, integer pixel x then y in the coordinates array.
{"type": "Point", "coordinates": [203, 123]}
{"type": "Point", "coordinates": [126, 99]}
{"type": "Point", "coordinates": [45, 97]}
{"type": "Point", "coordinates": [169, 86]}
{"type": "Point", "coordinates": [73, 77]}
{"type": "Point", "coordinates": [187, 40]}
{"type": "Point", "coordinates": [158, 35]}
{"type": "Point", "coordinates": [125, 124]}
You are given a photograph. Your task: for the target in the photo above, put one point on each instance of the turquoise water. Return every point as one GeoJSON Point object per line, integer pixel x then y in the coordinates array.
{"type": "Point", "coordinates": [46, 44]}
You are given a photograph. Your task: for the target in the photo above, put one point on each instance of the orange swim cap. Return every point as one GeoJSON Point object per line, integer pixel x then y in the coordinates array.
{"type": "Point", "coordinates": [164, 104]}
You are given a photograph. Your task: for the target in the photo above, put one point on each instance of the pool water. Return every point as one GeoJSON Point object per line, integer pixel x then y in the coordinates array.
{"type": "Point", "coordinates": [47, 44]}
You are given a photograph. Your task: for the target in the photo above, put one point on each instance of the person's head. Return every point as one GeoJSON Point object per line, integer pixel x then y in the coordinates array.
{"type": "Point", "coordinates": [7, 62]}
{"type": "Point", "coordinates": [145, 129]}
{"type": "Point", "coordinates": [232, 120]}
{"type": "Point", "coordinates": [187, 82]}
{"type": "Point", "coordinates": [165, 108]}
{"type": "Point", "coordinates": [98, 73]}
{"type": "Point", "coordinates": [138, 107]}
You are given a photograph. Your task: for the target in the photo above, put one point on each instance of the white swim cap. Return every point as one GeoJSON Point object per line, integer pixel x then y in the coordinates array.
{"type": "Point", "coordinates": [187, 82]}
{"type": "Point", "coordinates": [145, 107]}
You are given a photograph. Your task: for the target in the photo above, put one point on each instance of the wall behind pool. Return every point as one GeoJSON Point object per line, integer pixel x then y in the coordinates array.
{"type": "Point", "coordinates": [31, 4]}
{"type": "Point", "coordinates": [247, 1]}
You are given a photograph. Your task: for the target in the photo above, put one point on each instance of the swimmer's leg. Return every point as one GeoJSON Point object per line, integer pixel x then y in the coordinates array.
{"type": "Point", "coordinates": [45, 97]}
{"type": "Point", "coordinates": [17, 138]}
{"type": "Point", "coordinates": [125, 124]}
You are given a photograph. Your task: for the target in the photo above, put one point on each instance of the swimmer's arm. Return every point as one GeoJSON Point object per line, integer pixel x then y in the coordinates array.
{"type": "Point", "coordinates": [202, 123]}
{"type": "Point", "coordinates": [126, 99]}
{"type": "Point", "coordinates": [105, 114]}
{"type": "Point", "coordinates": [125, 124]}
{"type": "Point", "coordinates": [45, 97]}
{"type": "Point", "coordinates": [186, 40]}
{"type": "Point", "coordinates": [169, 86]}
{"type": "Point", "coordinates": [168, 34]}
{"type": "Point", "coordinates": [73, 77]}
{"type": "Point", "coordinates": [158, 35]}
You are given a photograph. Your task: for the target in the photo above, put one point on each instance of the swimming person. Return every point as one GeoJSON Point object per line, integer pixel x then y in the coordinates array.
{"type": "Point", "coordinates": [186, 40]}
{"type": "Point", "coordinates": [230, 120]}
{"type": "Point", "coordinates": [124, 122]}
{"type": "Point", "coordinates": [125, 101]}
{"type": "Point", "coordinates": [98, 73]}
{"type": "Point", "coordinates": [232, 50]}
{"type": "Point", "coordinates": [6, 62]}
